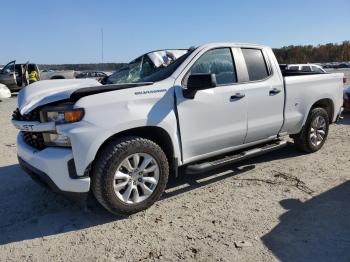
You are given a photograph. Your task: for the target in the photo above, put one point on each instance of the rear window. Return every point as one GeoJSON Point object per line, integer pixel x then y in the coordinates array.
{"type": "Point", "coordinates": [256, 64]}
{"type": "Point", "coordinates": [293, 68]}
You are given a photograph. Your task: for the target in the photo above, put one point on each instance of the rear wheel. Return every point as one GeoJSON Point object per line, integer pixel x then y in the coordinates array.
{"type": "Point", "coordinates": [129, 175]}
{"type": "Point", "coordinates": [314, 133]}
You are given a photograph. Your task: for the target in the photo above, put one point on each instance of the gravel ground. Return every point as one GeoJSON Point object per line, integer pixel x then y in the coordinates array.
{"type": "Point", "coordinates": [285, 206]}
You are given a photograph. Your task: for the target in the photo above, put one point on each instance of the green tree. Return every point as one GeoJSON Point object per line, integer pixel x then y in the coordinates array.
{"type": "Point", "coordinates": [313, 54]}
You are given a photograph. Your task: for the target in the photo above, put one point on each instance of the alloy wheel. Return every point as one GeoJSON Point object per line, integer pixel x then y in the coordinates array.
{"type": "Point", "coordinates": [318, 130]}
{"type": "Point", "coordinates": [136, 178]}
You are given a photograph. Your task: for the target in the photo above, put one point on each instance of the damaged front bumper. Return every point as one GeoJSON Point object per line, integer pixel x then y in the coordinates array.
{"type": "Point", "coordinates": [53, 166]}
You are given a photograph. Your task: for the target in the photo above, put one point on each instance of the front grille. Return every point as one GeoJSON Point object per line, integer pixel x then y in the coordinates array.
{"type": "Point", "coordinates": [34, 139]}
{"type": "Point", "coordinates": [32, 116]}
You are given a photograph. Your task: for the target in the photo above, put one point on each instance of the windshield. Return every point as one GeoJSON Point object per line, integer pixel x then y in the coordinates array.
{"type": "Point", "coordinates": [151, 67]}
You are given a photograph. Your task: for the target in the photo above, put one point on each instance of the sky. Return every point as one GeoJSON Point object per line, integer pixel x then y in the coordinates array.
{"type": "Point", "coordinates": [67, 31]}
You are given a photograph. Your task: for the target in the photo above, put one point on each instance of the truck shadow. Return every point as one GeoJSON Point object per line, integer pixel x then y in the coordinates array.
{"type": "Point", "coordinates": [316, 230]}
{"type": "Point", "coordinates": [184, 183]}
{"type": "Point", "coordinates": [28, 211]}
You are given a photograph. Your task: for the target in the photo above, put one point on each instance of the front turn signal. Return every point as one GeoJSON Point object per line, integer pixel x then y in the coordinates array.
{"type": "Point", "coordinates": [74, 115]}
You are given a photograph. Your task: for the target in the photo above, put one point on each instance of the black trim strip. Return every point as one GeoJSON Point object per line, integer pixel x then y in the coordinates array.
{"type": "Point", "coordinates": [72, 171]}
{"type": "Point", "coordinates": [178, 123]}
{"type": "Point", "coordinates": [299, 73]}
{"type": "Point", "coordinates": [284, 104]}
{"type": "Point", "coordinates": [87, 91]}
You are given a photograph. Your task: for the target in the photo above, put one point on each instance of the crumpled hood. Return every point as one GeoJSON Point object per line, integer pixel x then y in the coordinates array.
{"type": "Point", "coordinates": [48, 91]}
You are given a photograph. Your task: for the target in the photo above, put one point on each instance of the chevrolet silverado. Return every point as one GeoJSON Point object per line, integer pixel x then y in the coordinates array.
{"type": "Point", "coordinates": [199, 108]}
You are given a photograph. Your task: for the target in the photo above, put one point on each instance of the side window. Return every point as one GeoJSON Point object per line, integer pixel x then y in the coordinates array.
{"type": "Point", "coordinates": [316, 69]}
{"type": "Point", "coordinates": [256, 64]}
{"type": "Point", "coordinates": [306, 68]}
{"type": "Point", "coordinates": [219, 62]}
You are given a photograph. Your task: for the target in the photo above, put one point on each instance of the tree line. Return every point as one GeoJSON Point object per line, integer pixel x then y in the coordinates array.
{"type": "Point", "coordinates": [285, 55]}
{"type": "Point", "coordinates": [83, 67]}
{"type": "Point", "coordinates": [313, 54]}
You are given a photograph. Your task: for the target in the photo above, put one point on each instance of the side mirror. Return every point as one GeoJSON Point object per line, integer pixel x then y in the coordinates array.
{"type": "Point", "coordinates": [197, 82]}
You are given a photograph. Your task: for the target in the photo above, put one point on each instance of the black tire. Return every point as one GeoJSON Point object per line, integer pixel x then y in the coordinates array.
{"type": "Point", "coordinates": [106, 164]}
{"type": "Point", "coordinates": [302, 141]}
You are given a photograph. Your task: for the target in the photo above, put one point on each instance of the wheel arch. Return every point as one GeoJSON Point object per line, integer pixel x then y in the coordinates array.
{"type": "Point", "coordinates": [327, 104]}
{"type": "Point", "coordinates": [154, 133]}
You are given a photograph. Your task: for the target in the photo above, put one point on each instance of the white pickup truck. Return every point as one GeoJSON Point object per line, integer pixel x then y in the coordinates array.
{"type": "Point", "coordinates": [200, 108]}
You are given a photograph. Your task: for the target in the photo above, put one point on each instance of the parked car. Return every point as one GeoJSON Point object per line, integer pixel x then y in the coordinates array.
{"type": "Point", "coordinates": [306, 68]}
{"type": "Point", "coordinates": [92, 74]}
{"type": "Point", "coordinates": [57, 74]}
{"type": "Point", "coordinates": [15, 76]}
{"type": "Point", "coordinates": [339, 65]}
{"type": "Point", "coordinates": [4, 92]}
{"type": "Point", "coordinates": [346, 97]}
{"type": "Point", "coordinates": [194, 108]}
{"type": "Point", "coordinates": [326, 65]}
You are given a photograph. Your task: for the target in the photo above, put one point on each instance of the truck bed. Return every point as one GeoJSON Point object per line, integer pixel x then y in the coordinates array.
{"type": "Point", "coordinates": [298, 73]}
{"type": "Point", "coordinates": [302, 90]}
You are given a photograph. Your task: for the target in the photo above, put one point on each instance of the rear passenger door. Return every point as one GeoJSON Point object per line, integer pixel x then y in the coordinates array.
{"type": "Point", "coordinates": [265, 95]}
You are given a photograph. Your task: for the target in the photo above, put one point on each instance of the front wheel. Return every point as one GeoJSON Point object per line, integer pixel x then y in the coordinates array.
{"type": "Point", "coordinates": [129, 175]}
{"type": "Point", "coordinates": [314, 133]}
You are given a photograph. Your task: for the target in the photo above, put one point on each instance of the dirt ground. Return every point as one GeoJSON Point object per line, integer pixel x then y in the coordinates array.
{"type": "Point", "coordinates": [285, 205]}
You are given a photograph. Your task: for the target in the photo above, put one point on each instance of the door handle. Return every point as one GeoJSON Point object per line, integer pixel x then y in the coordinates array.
{"type": "Point", "coordinates": [274, 91]}
{"type": "Point", "coordinates": [237, 96]}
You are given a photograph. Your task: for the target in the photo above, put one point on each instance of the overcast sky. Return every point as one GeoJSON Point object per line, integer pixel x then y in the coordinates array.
{"type": "Point", "coordinates": [70, 31]}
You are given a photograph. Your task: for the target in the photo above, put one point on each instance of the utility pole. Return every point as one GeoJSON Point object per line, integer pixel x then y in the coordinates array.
{"type": "Point", "coordinates": [102, 46]}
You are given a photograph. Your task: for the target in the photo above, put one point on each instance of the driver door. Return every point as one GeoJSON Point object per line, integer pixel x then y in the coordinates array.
{"type": "Point", "coordinates": [8, 75]}
{"type": "Point", "coordinates": [215, 120]}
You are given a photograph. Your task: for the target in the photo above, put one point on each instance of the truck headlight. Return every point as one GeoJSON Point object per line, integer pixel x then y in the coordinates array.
{"type": "Point", "coordinates": [63, 115]}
